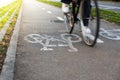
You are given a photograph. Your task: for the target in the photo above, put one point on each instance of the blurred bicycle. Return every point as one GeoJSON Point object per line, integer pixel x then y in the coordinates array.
{"type": "Point", "coordinates": [85, 13]}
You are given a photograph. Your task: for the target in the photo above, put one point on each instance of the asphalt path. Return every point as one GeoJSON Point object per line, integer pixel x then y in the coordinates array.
{"type": "Point", "coordinates": [114, 6]}
{"type": "Point", "coordinates": [46, 52]}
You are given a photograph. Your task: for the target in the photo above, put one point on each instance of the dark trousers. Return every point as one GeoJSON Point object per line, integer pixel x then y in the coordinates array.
{"type": "Point", "coordinates": [66, 1]}
{"type": "Point", "coordinates": [86, 12]}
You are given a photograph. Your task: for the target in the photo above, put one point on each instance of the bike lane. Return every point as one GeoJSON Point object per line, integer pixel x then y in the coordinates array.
{"type": "Point", "coordinates": [46, 52]}
{"type": "Point", "coordinates": [108, 5]}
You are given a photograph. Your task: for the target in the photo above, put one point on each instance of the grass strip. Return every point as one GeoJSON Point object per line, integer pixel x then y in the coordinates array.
{"type": "Point", "coordinates": [5, 42]}
{"type": "Point", "coordinates": [58, 4]}
{"type": "Point", "coordinates": [111, 16]}
{"type": "Point", "coordinates": [4, 20]}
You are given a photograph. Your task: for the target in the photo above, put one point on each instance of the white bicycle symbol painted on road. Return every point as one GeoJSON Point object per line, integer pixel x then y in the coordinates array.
{"type": "Point", "coordinates": [47, 41]}
{"type": "Point", "coordinates": [110, 34]}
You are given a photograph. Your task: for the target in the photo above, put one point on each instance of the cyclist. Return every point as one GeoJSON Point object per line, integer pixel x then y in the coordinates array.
{"type": "Point", "coordinates": [87, 6]}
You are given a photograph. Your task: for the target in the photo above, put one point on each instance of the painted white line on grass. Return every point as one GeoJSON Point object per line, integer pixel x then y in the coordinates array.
{"type": "Point", "coordinates": [60, 18]}
{"type": "Point", "coordinates": [49, 12]}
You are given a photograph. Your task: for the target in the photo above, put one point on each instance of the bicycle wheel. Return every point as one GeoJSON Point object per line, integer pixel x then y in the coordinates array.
{"type": "Point", "coordinates": [89, 20]}
{"type": "Point", "coordinates": [69, 22]}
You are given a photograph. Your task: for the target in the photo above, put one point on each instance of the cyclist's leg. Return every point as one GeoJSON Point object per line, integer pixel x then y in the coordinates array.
{"type": "Point", "coordinates": [66, 1]}
{"type": "Point", "coordinates": [87, 9]}
{"type": "Point", "coordinates": [86, 16]}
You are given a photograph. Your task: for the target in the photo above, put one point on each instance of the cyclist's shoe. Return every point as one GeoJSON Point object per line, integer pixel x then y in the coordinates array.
{"type": "Point", "coordinates": [86, 30]}
{"type": "Point", "coordinates": [65, 8]}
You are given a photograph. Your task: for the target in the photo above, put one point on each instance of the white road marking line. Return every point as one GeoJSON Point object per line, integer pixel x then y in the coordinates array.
{"type": "Point", "coordinates": [49, 12]}
{"type": "Point", "coordinates": [43, 8]}
{"type": "Point", "coordinates": [38, 5]}
{"type": "Point", "coordinates": [60, 18]}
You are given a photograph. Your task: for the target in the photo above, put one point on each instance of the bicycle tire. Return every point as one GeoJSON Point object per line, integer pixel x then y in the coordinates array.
{"type": "Point", "coordinates": [92, 22]}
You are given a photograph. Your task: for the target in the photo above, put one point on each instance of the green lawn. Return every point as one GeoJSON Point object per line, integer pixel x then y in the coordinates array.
{"type": "Point", "coordinates": [5, 42]}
